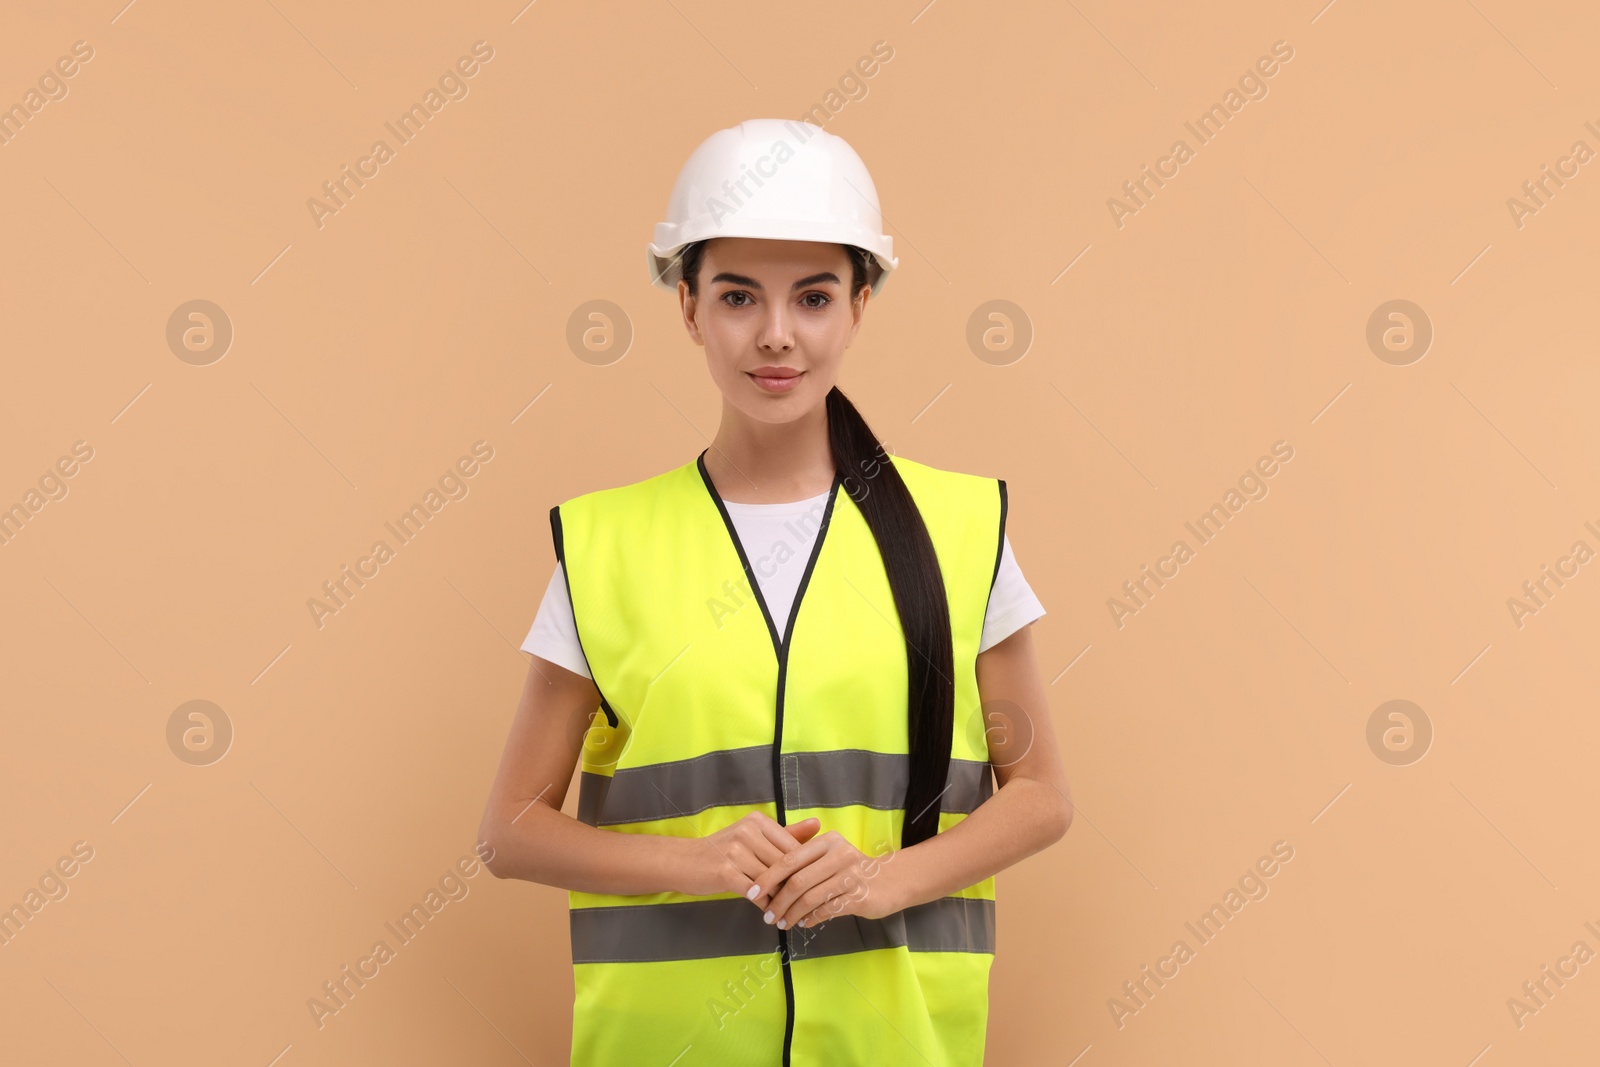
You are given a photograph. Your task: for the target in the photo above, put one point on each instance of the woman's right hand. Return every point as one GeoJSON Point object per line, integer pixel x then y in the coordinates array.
{"type": "Point", "coordinates": [728, 861]}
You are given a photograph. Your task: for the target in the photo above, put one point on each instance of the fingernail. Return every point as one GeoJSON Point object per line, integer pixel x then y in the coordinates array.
{"type": "Point", "coordinates": [753, 892]}
{"type": "Point", "coordinates": [768, 917]}
{"type": "Point", "coordinates": [781, 924]}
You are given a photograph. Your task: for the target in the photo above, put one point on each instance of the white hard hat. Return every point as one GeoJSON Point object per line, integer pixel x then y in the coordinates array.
{"type": "Point", "coordinates": [776, 179]}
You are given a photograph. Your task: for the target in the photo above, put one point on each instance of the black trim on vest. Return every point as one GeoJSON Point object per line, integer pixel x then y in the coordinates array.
{"type": "Point", "coordinates": [999, 549]}
{"type": "Point", "coordinates": [781, 647]}
{"type": "Point", "coordinates": [561, 558]}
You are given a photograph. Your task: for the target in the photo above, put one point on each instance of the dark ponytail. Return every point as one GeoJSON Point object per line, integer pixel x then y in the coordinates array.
{"type": "Point", "coordinates": [919, 598]}
{"type": "Point", "coordinates": [880, 494]}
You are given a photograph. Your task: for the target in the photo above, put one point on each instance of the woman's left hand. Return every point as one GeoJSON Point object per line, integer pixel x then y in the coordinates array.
{"type": "Point", "coordinates": [825, 877]}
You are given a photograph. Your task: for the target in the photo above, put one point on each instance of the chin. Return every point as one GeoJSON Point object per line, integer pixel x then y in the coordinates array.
{"type": "Point", "coordinates": [764, 407]}
{"type": "Point", "coordinates": [778, 414]}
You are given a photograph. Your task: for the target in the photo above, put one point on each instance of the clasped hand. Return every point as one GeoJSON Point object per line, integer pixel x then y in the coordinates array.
{"type": "Point", "coordinates": [795, 875]}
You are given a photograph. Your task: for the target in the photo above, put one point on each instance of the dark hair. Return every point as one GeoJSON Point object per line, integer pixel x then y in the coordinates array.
{"type": "Point", "coordinates": [914, 578]}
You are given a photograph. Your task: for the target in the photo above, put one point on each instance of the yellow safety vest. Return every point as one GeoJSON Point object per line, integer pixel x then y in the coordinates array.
{"type": "Point", "coordinates": [706, 714]}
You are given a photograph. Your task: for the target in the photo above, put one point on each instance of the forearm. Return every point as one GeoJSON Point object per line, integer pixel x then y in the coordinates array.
{"type": "Point", "coordinates": [1022, 817]}
{"type": "Point", "coordinates": [546, 846]}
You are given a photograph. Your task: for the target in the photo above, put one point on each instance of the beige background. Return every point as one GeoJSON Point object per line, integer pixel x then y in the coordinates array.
{"type": "Point", "coordinates": [431, 312]}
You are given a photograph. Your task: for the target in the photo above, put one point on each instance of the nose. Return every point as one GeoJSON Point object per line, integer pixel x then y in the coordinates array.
{"type": "Point", "coordinates": [777, 332]}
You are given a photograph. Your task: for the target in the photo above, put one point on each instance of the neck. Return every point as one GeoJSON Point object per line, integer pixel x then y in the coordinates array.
{"type": "Point", "coordinates": [754, 462]}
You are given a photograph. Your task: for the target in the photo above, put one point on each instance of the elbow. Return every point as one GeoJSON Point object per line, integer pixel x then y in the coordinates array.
{"type": "Point", "coordinates": [509, 849]}
{"type": "Point", "coordinates": [1063, 815]}
{"type": "Point", "coordinates": [488, 848]}
{"type": "Point", "coordinates": [488, 852]}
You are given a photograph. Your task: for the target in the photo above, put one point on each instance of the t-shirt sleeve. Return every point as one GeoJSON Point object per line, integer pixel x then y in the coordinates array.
{"type": "Point", "coordinates": [1012, 603]}
{"type": "Point", "coordinates": [554, 635]}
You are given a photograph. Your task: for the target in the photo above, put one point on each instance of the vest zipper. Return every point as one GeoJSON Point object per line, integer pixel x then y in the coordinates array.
{"type": "Point", "coordinates": [781, 647]}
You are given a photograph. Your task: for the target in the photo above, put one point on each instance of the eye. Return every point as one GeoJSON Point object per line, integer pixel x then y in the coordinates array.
{"type": "Point", "coordinates": [735, 292]}
{"type": "Point", "coordinates": [826, 300]}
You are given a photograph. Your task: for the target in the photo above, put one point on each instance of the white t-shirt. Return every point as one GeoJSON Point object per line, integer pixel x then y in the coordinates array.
{"type": "Point", "coordinates": [777, 539]}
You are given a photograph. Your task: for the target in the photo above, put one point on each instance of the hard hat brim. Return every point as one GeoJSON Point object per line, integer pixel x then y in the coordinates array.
{"type": "Point", "coordinates": [663, 255]}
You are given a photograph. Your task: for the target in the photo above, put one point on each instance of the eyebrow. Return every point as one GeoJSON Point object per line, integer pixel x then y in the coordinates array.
{"type": "Point", "coordinates": [751, 283]}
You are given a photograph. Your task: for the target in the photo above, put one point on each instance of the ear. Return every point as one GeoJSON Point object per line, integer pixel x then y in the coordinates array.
{"type": "Point", "coordinates": [687, 304]}
{"type": "Point", "coordinates": [858, 308]}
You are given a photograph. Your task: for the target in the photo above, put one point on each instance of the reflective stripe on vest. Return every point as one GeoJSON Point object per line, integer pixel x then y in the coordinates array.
{"type": "Point", "coordinates": [699, 929]}
{"type": "Point", "coordinates": [743, 777]}
{"type": "Point", "coordinates": [708, 715]}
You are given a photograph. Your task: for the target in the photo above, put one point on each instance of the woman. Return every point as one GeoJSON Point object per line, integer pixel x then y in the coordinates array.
{"type": "Point", "coordinates": [788, 667]}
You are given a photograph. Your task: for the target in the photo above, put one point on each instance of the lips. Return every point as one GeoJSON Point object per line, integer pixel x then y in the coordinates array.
{"type": "Point", "coordinates": [776, 379]}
